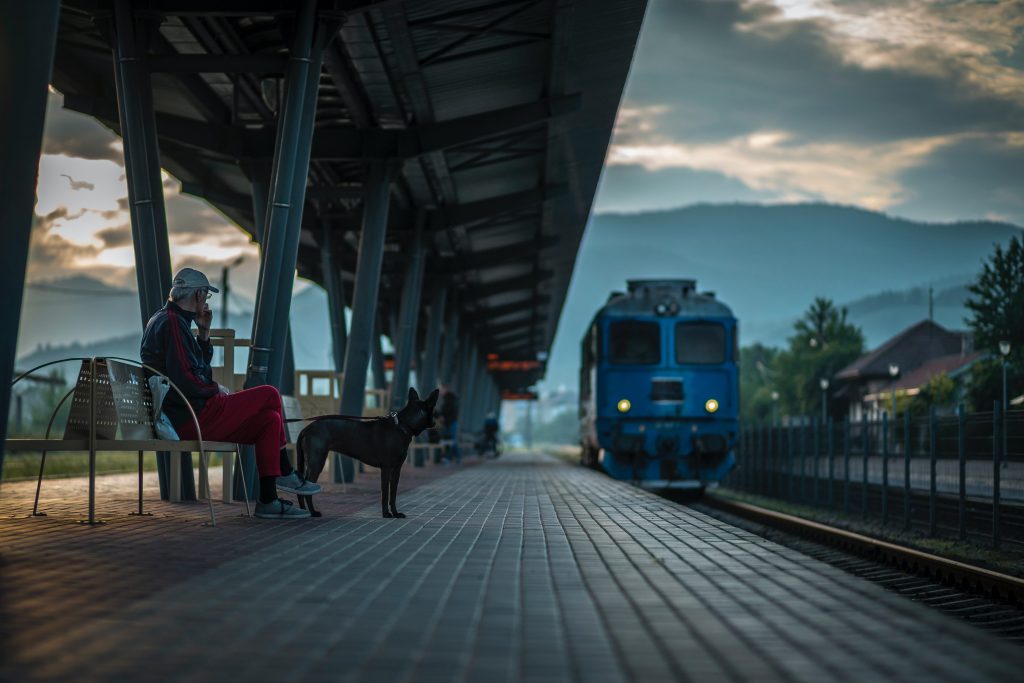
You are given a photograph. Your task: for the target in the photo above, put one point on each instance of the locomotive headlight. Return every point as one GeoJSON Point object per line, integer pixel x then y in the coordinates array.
{"type": "Point", "coordinates": [711, 405]}
{"type": "Point", "coordinates": [624, 405]}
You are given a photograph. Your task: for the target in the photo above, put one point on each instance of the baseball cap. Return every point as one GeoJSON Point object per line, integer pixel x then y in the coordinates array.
{"type": "Point", "coordinates": [190, 277]}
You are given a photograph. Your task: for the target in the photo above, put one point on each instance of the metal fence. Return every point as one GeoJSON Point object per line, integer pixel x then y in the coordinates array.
{"type": "Point", "coordinates": [957, 476]}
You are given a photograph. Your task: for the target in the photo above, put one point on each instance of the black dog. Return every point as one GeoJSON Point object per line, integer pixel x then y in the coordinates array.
{"type": "Point", "coordinates": [383, 442]}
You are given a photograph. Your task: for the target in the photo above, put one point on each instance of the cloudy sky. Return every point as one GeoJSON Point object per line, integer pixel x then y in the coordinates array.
{"type": "Point", "coordinates": [911, 107]}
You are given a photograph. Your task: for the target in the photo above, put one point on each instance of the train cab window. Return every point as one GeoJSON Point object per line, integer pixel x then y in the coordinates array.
{"type": "Point", "coordinates": [700, 343]}
{"type": "Point", "coordinates": [632, 342]}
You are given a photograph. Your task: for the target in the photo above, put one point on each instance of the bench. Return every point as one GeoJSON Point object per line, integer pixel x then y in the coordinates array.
{"type": "Point", "coordinates": [111, 395]}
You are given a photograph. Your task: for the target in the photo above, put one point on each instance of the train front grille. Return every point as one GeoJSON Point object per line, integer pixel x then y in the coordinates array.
{"type": "Point", "coordinates": [667, 390]}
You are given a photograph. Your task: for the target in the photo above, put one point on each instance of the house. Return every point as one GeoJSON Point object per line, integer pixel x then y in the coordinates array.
{"type": "Point", "coordinates": [918, 354]}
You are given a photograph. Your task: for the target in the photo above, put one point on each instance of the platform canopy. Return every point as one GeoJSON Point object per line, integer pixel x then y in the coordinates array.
{"type": "Point", "coordinates": [493, 116]}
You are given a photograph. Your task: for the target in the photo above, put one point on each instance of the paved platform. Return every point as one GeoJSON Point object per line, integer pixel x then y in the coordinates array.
{"type": "Point", "coordinates": [525, 568]}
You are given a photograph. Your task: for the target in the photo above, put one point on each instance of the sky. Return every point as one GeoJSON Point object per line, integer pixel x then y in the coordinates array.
{"type": "Point", "coordinates": [910, 107]}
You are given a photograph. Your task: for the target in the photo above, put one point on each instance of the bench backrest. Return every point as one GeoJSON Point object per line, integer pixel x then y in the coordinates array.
{"type": "Point", "coordinates": [133, 402]}
{"type": "Point", "coordinates": [106, 415]}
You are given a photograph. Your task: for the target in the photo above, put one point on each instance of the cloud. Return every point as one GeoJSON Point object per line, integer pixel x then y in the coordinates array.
{"type": "Point", "coordinates": [723, 68]}
{"type": "Point", "coordinates": [632, 187]}
{"type": "Point", "coordinates": [77, 185]}
{"type": "Point", "coordinates": [77, 135]}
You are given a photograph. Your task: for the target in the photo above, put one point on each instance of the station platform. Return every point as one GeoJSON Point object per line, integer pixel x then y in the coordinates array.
{"type": "Point", "coordinates": [521, 569]}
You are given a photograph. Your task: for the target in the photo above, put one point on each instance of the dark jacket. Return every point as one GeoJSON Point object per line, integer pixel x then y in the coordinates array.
{"type": "Point", "coordinates": [168, 346]}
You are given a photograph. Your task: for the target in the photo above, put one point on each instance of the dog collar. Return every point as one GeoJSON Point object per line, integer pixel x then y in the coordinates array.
{"type": "Point", "coordinates": [394, 418]}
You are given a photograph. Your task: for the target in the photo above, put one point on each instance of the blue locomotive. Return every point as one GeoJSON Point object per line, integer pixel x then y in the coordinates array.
{"type": "Point", "coordinates": [659, 386]}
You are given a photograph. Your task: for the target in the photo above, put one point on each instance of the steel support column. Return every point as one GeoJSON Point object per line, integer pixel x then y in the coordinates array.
{"type": "Point", "coordinates": [380, 378]}
{"type": "Point", "coordinates": [334, 286]}
{"type": "Point", "coordinates": [142, 163]}
{"type": "Point", "coordinates": [28, 32]}
{"type": "Point", "coordinates": [281, 334]}
{"type": "Point", "coordinates": [287, 158]}
{"type": "Point", "coordinates": [409, 315]}
{"type": "Point", "coordinates": [364, 296]}
{"type": "Point", "coordinates": [451, 343]}
{"type": "Point", "coordinates": [426, 372]}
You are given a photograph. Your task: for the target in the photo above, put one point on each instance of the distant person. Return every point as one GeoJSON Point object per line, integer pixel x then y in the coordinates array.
{"type": "Point", "coordinates": [251, 416]}
{"type": "Point", "coordinates": [489, 440]}
{"type": "Point", "coordinates": [448, 410]}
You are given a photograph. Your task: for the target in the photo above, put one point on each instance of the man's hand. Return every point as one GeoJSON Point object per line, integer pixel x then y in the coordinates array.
{"type": "Point", "coordinates": [203, 321]}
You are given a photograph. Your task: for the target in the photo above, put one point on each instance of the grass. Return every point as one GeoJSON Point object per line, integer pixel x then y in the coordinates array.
{"type": "Point", "coordinates": [22, 466]}
{"type": "Point", "coordinates": [1005, 561]}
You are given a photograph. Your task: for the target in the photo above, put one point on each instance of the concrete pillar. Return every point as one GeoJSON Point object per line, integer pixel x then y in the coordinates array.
{"type": "Point", "coordinates": [426, 371]}
{"type": "Point", "coordinates": [408, 317]}
{"type": "Point", "coordinates": [28, 33]}
{"type": "Point", "coordinates": [364, 296]}
{"type": "Point", "coordinates": [279, 243]}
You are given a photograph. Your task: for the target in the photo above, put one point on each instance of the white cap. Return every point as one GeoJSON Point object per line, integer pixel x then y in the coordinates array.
{"type": "Point", "coordinates": [190, 277]}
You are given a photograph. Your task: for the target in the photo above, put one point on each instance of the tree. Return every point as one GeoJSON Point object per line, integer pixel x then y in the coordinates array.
{"type": "Point", "coordinates": [997, 314]}
{"type": "Point", "coordinates": [824, 342]}
{"type": "Point", "coordinates": [757, 381]}
{"type": "Point", "coordinates": [940, 391]}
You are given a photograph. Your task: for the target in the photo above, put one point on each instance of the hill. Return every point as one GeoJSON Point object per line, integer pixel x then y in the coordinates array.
{"type": "Point", "coordinates": [769, 262]}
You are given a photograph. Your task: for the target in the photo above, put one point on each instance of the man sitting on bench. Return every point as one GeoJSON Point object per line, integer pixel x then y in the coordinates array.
{"type": "Point", "coordinates": [252, 416]}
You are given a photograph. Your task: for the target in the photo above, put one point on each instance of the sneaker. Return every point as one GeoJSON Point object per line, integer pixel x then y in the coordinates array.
{"type": "Point", "coordinates": [280, 509]}
{"type": "Point", "coordinates": [293, 483]}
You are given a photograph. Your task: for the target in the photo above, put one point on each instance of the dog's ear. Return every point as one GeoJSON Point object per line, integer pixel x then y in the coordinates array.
{"type": "Point", "coordinates": [432, 399]}
{"type": "Point", "coordinates": [413, 396]}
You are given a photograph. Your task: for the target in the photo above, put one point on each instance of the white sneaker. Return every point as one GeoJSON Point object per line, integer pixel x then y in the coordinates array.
{"type": "Point", "coordinates": [280, 509]}
{"type": "Point", "coordinates": [293, 483]}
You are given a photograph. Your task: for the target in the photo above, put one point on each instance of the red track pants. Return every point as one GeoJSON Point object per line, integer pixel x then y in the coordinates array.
{"type": "Point", "coordinates": [251, 416]}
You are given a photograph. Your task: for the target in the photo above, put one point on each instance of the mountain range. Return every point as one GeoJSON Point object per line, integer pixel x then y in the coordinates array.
{"type": "Point", "coordinates": [766, 262]}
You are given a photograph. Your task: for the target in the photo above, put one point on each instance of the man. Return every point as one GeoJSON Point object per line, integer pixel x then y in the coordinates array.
{"type": "Point", "coordinates": [252, 416]}
{"type": "Point", "coordinates": [448, 409]}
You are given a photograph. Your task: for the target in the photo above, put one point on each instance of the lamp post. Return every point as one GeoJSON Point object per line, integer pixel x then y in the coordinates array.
{"type": "Point", "coordinates": [775, 408]}
{"type": "Point", "coordinates": [894, 372]}
{"type": "Point", "coordinates": [823, 383]}
{"type": "Point", "coordinates": [1004, 349]}
{"type": "Point", "coordinates": [226, 287]}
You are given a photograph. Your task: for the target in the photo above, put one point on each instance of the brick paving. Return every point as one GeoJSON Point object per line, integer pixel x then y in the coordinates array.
{"type": "Point", "coordinates": [524, 568]}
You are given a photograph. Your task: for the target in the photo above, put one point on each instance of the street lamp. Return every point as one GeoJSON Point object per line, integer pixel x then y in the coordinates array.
{"type": "Point", "coordinates": [1004, 348]}
{"type": "Point", "coordinates": [823, 383]}
{"type": "Point", "coordinates": [226, 287]}
{"type": "Point", "coordinates": [775, 408]}
{"type": "Point", "coordinates": [894, 372]}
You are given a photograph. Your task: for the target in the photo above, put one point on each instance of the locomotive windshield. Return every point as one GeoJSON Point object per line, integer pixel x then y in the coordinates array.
{"type": "Point", "coordinates": [700, 343]}
{"type": "Point", "coordinates": [632, 342]}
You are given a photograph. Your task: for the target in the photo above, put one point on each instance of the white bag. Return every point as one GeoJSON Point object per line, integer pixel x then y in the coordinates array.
{"type": "Point", "coordinates": [158, 387]}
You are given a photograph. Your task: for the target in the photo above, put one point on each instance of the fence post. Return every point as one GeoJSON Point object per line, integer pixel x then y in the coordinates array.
{"type": "Point", "coordinates": [932, 455]}
{"type": "Point", "coordinates": [846, 464]}
{"type": "Point", "coordinates": [864, 466]}
{"type": "Point", "coordinates": [907, 426]}
{"type": "Point", "coordinates": [815, 457]}
{"type": "Point", "coordinates": [961, 450]}
{"type": "Point", "coordinates": [997, 452]}
{"type": "Point", "coordinates": [791, 451]}
{"type": "Point", "coordinates": [885, 468]}
{"type": "Point", "coordinates": [831, 464]}
{"type": "Point", "coordinates": [803, 462]}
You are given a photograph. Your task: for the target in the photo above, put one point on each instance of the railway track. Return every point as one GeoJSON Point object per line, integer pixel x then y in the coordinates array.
{"type": "Point", "coordinates": [987, 599]}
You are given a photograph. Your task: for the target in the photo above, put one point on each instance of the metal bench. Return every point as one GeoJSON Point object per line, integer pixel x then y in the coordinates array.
{"type": "Point", "coordinates": [112, 394]}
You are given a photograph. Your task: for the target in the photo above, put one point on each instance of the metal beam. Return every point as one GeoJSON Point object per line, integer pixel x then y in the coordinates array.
{"type": "Point", "coordinates": [493, 207]}
{"type": "Point", "coordinates": [523, 282]}
{"type": "Point", "coordinates": [487, 314]}
{"type": "Point", "coordinates": [409, 315]}
{"type": "Point", "coordinates": [501, 256]}
{"type": "Point", "coordinates": [334, 285]}
{"type": "Point", "coordinates": [30, 33]}
{"type": "Point", "coordinates": [451, 340]}
{"type": "Point", "coordinates": [213, 63]}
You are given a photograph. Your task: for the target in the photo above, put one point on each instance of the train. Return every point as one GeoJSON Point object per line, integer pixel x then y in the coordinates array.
{"type": "Point", "coordinates": [659, 386]}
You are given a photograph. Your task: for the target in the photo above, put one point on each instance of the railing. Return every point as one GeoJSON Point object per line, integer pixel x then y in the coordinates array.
{"type": "Point", "coordinates": [958, 476]}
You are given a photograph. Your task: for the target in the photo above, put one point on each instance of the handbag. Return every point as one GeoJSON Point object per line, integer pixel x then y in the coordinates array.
{"type": "Point", "coordinates": [158, 387]}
